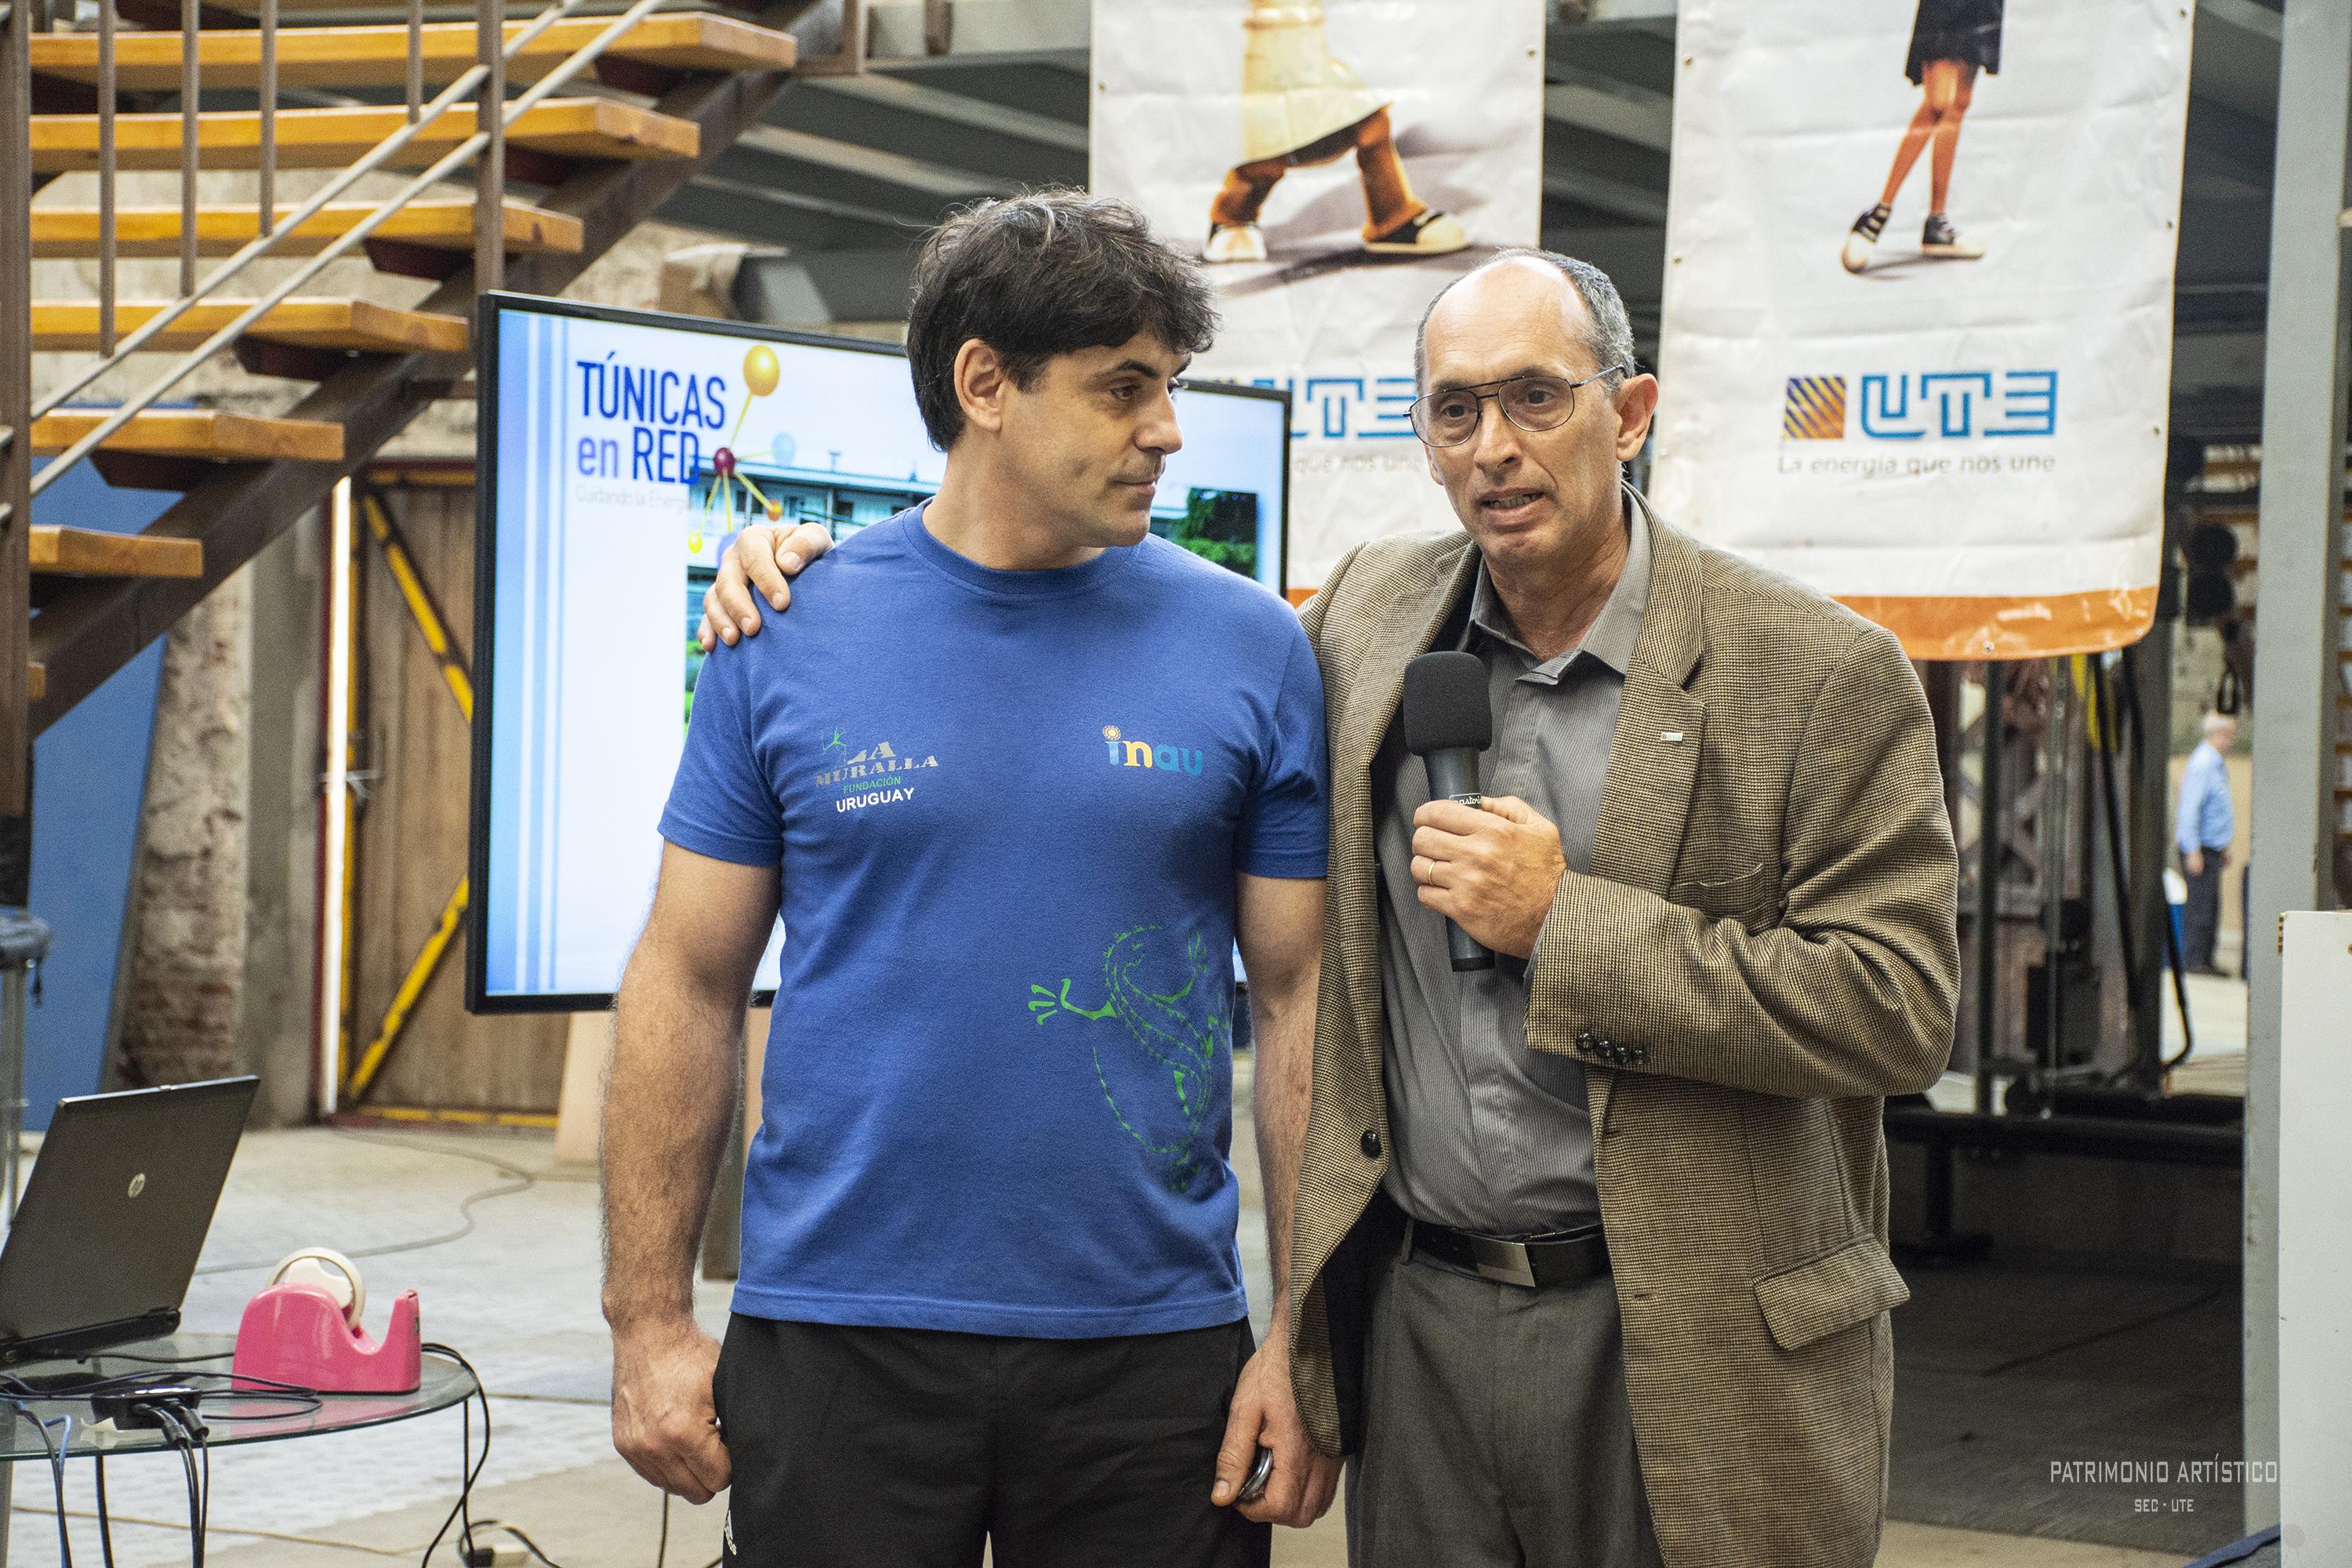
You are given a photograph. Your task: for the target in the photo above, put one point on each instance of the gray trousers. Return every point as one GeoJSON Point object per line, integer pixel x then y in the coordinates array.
{"type": "Point", "coordinates": [1497, 1431]}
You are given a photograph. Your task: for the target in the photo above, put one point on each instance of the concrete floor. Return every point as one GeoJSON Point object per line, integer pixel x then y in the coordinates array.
{"type": "Point", "coordinates": [2217, 1016]}
{"type": "Point", "coordinates": [2004, 1372]}
{"type": "Point", "coordinates": [501, 1245]}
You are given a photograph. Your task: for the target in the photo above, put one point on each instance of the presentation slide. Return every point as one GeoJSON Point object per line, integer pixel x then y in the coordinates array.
{"type": "Point", "coordinates": [620, 452]}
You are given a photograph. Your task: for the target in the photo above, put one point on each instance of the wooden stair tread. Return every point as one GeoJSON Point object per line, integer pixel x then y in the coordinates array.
{"type": "Point", "coordinates": [378, 55]}
{"type": "Point", "coordinates": [449, 225]}
{"type": "Point", "coordinates": [93, 552]}
{"type": "Point", "coordinates": [599, 128]}
{"type": "Point", "coordinates": [71, 325]}
{"type": "Point", "coordinates": [211, 433]}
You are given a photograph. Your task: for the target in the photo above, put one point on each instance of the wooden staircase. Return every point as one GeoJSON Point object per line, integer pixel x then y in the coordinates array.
{"type": "Point", "coordinates": [575, 128]}
{"type": "Point", "coordinates": [367, 367]}
{"type": "Point", "coordinates": [344, 57]}
{"type": "Point", "coordinates": [72, 233]}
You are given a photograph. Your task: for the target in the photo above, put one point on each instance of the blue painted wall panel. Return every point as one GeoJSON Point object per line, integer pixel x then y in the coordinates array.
{"type": "Point", "coordinates": [89, 783]}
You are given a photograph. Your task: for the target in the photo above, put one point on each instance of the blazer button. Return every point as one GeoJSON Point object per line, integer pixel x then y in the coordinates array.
{"type": "Point", "coordinates": [1641, 1056]}
{"type": "Point", "coordinates": [1371, 1145]}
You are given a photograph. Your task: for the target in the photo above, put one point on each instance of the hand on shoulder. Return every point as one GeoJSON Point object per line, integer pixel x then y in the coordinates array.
{"type": "Point", "coordinates": [758, 565]}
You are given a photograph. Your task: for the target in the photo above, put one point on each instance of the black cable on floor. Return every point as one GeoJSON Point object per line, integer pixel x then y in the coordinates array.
{"type": "Point", "coordinates": [105, 1524]}
{"type": "Point", "coordinates": [520, 1180]}
{"type": "Point", "coordinates": [2091, 1339]}
{"type": "Point", "coordinates": [527, 1544]}
{"type": "Point", "coordinates": [243, 1385]}
{"type": "Point", "coordinates": [185, 1435]}
{"type": "Point", "coordinates": [56, 1468]}
{"type": "Point", "coordinates": [460, 1513]}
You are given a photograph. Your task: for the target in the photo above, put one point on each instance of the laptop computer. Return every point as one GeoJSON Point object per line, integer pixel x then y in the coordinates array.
{"type": "Point", "coordinates": [105, 1238]}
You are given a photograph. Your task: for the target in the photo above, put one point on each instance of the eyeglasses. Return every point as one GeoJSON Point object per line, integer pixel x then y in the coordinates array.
{"type": "Point", "coordinates": [1533, 402]}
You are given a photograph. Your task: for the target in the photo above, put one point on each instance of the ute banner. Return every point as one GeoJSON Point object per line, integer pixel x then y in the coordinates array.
{"type": "Point", "coordinates": [1336, 164]}
{"type": "Point", "coordinates": [1917, 328]}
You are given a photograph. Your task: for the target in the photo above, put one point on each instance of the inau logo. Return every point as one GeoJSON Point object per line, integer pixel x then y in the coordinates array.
{"type": "Point", "coordinates": [1126, 754]}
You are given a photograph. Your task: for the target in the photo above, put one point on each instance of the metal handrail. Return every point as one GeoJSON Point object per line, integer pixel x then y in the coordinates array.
{"type": "Point", "coordinates": [190, 92]}
{"type": "Point", "coordinates": [106, 162]}
{"type": "Point", "coordinates": [266, 186]}
{"type": "Point", "coordinates": [367, 163]}
{"type": "Point", "coordinates": [456, 157]}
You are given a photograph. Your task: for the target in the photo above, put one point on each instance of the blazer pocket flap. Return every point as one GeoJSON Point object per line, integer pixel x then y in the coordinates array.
{"type": "Point", "coordinates": [1835, 1291]}
{"type": "Point", "coordinates": [1746, 898]}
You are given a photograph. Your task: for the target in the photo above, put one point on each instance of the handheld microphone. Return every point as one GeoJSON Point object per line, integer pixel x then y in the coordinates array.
{"type": "Point", "coordinates": [1447, 722]}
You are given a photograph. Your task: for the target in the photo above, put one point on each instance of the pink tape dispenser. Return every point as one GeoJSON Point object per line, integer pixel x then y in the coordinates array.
{"type": "Point", "coordinates": [303, 1328]}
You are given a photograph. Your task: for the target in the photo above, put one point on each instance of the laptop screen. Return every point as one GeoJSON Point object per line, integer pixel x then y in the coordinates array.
{"type": "Point", "coordinates": [104, 1244]}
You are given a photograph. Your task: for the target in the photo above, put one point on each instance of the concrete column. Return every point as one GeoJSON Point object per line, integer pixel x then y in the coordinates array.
{"type": "Point", "coordinates": [180, 1011]}
{"type": "Point", "coordinates": [2306, 359]}
{"type": "Point", "coordinates": [282, 822]}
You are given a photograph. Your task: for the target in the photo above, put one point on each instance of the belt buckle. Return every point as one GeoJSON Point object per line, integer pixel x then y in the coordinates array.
{"type": "Point", "coordinates": [1505, 1262]}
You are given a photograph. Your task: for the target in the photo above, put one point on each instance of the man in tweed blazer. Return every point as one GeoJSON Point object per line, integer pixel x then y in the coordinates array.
{"type": "Point", "coordinates": [1761, 946]}
{"type": "Point", "coordinates": [1741, 927]}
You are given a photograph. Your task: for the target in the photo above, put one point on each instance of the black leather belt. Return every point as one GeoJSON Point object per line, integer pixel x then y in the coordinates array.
{"type": "Point", "coordinates": [1569, 1257]}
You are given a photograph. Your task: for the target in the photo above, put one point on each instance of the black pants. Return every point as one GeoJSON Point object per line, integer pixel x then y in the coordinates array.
{"type": "Point", "coordinates": [2200, 917]}
{"type": "Point", "coordinates": [860, 1447]}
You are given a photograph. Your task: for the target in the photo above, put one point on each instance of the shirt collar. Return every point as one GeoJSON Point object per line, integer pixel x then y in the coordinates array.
{"type": "Point", "coordinates": [1613, 632]}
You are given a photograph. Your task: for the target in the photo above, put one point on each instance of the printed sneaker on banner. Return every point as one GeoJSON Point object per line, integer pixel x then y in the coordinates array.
{"type": "Point", "coordinates": [1862, 238]}
{"type": "Point", "coordinates": [1942, 240]}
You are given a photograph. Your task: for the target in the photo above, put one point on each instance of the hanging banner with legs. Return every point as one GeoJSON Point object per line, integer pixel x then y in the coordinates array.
{"type": "Point", "coordinates": [1337, 162]}
{"type": "Point", "coordinates": [1917, 327]}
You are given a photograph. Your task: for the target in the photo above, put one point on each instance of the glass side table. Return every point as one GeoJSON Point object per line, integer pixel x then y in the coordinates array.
{"type": "Point", "coordinates": [232, 1419]}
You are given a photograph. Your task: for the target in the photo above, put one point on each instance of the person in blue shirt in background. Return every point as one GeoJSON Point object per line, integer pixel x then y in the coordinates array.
{"type": "Point", "coordinates": [1018, 776]}
{"type": "Point", "coordinates": [2207, 822]}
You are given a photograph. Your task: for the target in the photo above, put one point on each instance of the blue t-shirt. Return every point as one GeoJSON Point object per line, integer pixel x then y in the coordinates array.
{"type": "Point", "coordinates": [1008, 808]}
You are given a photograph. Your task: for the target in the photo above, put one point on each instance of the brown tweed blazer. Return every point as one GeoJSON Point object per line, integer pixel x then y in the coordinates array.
{"type": "Point", "coordinates": [1765, 947]}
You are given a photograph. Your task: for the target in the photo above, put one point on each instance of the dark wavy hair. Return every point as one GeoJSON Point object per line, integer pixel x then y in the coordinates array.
{"type": "Point", "coordinates": [1040, 275]}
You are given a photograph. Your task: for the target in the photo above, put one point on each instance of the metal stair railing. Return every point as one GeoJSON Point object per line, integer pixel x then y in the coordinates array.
{"type": "Point", "coordinates": [20, 20]}
{"type": "Point", "coordinates": [489, 200]}
{"type": "Point", "coordinates": [489, 217]}
{"type": "Point", "coordinates": [90, 626]}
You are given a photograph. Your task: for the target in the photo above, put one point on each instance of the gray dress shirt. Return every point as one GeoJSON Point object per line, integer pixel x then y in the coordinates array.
{"type": "Point", "coordinates": [1488, 1135]}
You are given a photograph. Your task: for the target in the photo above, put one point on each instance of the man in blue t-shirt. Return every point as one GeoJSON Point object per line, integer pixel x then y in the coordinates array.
{"type": "Point", "coordinates": [1018, 776]}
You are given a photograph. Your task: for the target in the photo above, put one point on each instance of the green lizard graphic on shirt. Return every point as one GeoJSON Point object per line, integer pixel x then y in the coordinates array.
{"type": "Point", "coordinates": [1180, 1029]}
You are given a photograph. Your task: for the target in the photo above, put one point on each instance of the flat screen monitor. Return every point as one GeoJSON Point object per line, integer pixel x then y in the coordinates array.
{"type": "Point", "coordinates": [619, 451]}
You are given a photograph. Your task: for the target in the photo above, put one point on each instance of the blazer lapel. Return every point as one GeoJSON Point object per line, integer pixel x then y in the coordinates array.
{"type": "Point", "coordinates": [1406, 627]}
{"type": "Point", "coordinates": [1653, 760]}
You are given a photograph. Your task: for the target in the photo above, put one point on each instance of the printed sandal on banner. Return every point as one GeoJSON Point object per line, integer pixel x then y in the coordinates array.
{"type": "Point", "coordinates": [1431, 234]}
{"type": "Point", "coordinates": [1234, 242]}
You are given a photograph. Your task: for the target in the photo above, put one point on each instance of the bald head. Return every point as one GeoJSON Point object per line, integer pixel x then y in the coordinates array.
{"type": "Point", "coordinates": [1589, 303]}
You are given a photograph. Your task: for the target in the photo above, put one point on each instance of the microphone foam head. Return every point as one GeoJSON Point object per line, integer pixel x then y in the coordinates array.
{"type": "Point", "coordinates": [1445, 705]}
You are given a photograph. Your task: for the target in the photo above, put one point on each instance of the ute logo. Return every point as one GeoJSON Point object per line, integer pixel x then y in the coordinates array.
{"type": "Point", "coordinates": [880, 774]}
{"type": "Point", "coordinates": [1127, 754]}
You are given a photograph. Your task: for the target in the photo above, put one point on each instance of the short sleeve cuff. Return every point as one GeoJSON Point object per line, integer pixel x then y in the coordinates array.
{"type": "Point", "coordinates": [1288, 864]}
{"type": "Point", "coordinates": [720, 846]}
